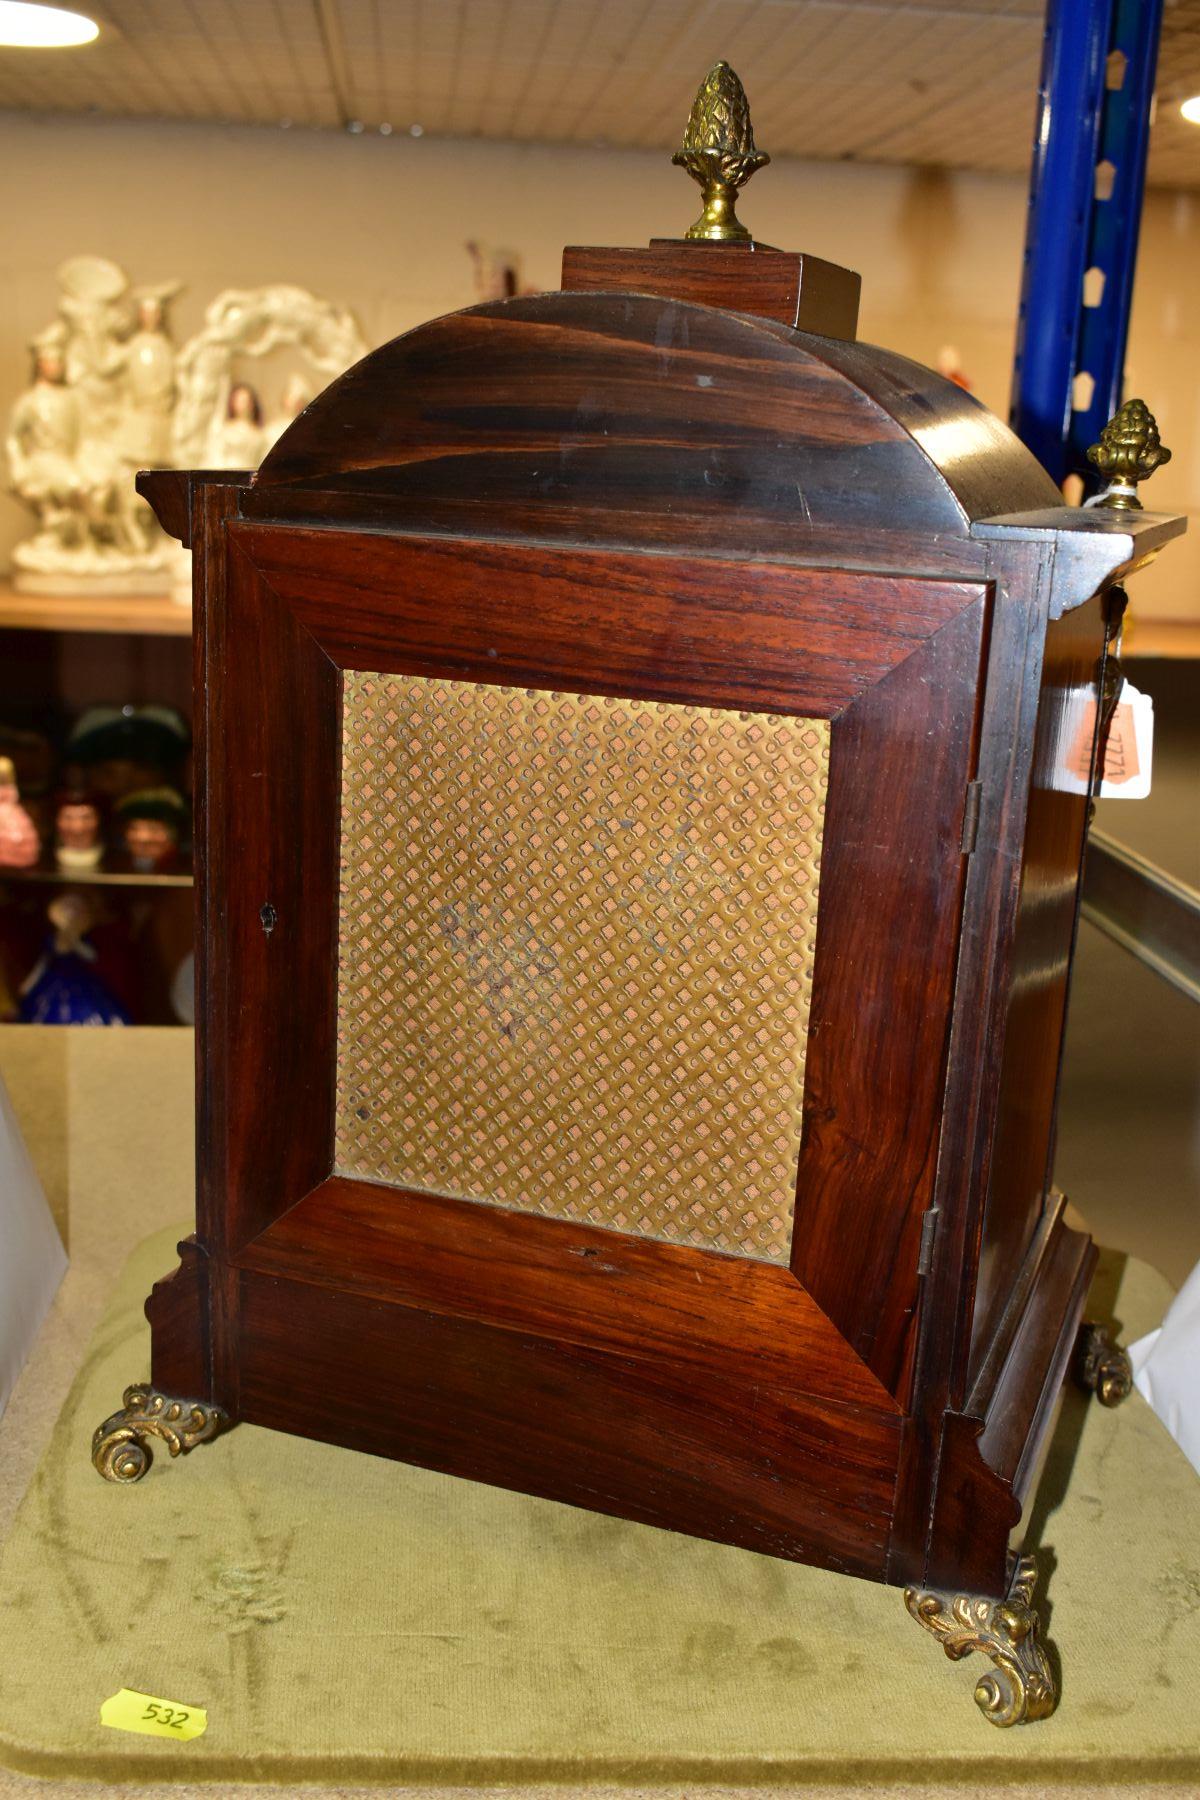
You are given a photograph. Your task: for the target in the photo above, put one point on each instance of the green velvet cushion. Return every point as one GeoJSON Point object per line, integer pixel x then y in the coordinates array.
{"type": "Point", "coordinates": [348, 1619]}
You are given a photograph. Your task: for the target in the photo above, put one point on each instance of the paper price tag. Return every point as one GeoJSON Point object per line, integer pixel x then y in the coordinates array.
{"type": "Point", "coordinates": [1129, 749]}
{"type": "Point", "coordinates": [131, 1711]}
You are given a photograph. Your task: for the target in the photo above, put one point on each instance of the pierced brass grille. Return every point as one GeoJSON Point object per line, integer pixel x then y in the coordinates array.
{"type": "Point", "coordinates": [576, 954]}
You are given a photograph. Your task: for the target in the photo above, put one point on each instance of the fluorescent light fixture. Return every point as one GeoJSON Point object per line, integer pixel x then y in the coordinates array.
{"type": "Point", "coordinates": [1191, 109]}
{"type": "Point", "coordinates": [28, 27]}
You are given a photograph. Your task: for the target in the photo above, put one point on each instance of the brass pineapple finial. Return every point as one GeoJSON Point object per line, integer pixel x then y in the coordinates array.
{"type": "Point", "coordinates": [1129, 450]}
{"type": "Point", "coordinates": [718, 151]}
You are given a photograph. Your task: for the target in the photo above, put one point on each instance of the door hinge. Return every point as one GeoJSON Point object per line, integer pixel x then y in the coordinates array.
{"type": "Point", "coordinates": [929, 1225]}
{"type": "Point", "coordinates": [970, 826]}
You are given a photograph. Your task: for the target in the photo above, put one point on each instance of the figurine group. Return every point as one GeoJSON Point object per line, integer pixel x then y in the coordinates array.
{"type": "Point", "coordinates": [110, 395]}
{"type": "Point", "coordinates": [150, 824]}
{"type": "Point", "coordinates": [98, 409]}
{"type": "Point", "coordinates": [112, 800]}
{"type": "Point", "coordinates": [116, 797]}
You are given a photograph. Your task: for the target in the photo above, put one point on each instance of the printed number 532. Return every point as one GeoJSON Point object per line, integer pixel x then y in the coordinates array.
{"type": "Point", "coordinates": [167, 1715]}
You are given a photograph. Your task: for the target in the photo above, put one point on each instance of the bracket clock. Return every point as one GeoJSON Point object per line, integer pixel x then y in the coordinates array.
{"type": "Point", "coordinates": [643, 751]}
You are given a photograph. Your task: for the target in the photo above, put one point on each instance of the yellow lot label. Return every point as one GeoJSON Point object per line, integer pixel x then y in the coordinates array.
{"type": "Point", "coordinates": [152, 1716]}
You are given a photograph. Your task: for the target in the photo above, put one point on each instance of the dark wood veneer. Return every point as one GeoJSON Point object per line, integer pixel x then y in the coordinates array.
{"type": "Point", "coordinates": [574, 1284]}
{"type": "Point", "coordinates": [751, 278]}
{"type": "Point", "coordinates": [647, 423]}
{"type": "Point", "coordinates": [715, 633]}
{"type": "Point", "coordinates": [270, 840]}
{"type": "Point", "coordinates": [1043, 944]}
{"type": "Point", "coordinates": [631, 1435]}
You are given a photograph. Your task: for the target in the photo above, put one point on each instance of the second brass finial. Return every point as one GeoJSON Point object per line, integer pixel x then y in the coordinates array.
{"type": "Point", "coordinates": [718, 151]}
{"type": "Point", "coordinates": [1129, 450]}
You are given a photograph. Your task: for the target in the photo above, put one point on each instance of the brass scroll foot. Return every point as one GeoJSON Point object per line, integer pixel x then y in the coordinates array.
{"type": "Point", "coordinates": [121, 1446]}
{"type": "Point", "coordinates": [1021, 1687]}
{"type": "Point", "coordinates": [1102, 1366]}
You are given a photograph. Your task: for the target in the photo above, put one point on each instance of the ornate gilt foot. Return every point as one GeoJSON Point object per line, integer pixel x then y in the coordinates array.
{"type": "Point", "coordinates": [121, 1446]}
{"type": "Point", "coordinates": [1101, 1365]}
{"type": "Point", "coordinates": [1021, 1687]}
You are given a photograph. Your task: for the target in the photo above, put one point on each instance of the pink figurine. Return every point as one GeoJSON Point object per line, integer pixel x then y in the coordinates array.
{"type": "Point", "coordinates": [19, 846]}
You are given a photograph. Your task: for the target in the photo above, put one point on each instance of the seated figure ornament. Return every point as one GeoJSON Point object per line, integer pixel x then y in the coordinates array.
{"type": "Point", "coordinates": [219, 419]}
{"type": "Point", "coordinates": [98, 408]}
{"type": "Point", "coordinates": [43, 439]}
{"type": "Point", "coordinates": [149, 365]}
{"type": "Point", "coordinates": [109, 395]}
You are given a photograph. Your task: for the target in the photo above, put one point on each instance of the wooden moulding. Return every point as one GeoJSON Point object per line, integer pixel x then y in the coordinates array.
{"type": "Point", "coordinates": [992, 1450]}
{"type": "Point", "coordinates": [172, 493]}
{"type": "Point", "coordinates": [576, 1283]}
{"type": "Point", "coordinates": [303, 605]}
{"type": "Point", "coordinates": [1091, 549]}
{"type": "Point", "coordinates": [1043, 934]}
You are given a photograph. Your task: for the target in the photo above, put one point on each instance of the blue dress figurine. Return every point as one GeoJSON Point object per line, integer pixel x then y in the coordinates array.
{"type": "Point", "coordinates": [63, 988]}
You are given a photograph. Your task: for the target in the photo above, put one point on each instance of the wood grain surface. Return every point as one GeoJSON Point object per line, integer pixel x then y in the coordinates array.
{"type": "Point", "coordinates": [747, 278]}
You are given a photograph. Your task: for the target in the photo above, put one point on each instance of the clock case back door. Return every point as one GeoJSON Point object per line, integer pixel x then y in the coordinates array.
{"type": "Point", "coordinates": [758, 1398]}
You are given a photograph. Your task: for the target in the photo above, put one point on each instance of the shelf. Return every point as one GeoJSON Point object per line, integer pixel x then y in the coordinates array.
{"type": "Point", "coordinates": [1158, 637]}
{"type": "Point", "coordinates": [151, 615]}
{"type": "Point", "coordinates": [98, 878]}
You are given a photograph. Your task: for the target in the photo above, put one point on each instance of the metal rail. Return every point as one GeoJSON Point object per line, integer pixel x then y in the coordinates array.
{"type": "Point", "coordinates": [1145, 910]}
{"type": "Point", "coordinates": [1085, 204]}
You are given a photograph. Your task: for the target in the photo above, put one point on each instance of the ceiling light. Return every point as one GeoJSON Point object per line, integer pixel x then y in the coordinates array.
{"type": "Point", "coordinates": [28, 27]}
{"type": "Point", "coordinates": [1191, 109]}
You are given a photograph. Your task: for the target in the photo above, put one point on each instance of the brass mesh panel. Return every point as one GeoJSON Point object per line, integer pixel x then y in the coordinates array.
{"type": "Point", "coordinates": [576, 954]}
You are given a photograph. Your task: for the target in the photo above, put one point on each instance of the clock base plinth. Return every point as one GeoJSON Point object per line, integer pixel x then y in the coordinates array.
{"type": "Point", "coordinates": [1021, 1686]}
{"type": "Point", "coordinates": [121, 1445]}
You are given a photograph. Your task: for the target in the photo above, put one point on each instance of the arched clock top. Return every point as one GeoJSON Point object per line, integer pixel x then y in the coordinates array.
{"type": "Point", "coordinates": [647, 420]}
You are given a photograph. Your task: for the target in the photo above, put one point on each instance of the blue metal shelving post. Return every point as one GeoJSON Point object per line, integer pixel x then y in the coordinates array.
{"type": "Point", "coordinates": [1085, 204]}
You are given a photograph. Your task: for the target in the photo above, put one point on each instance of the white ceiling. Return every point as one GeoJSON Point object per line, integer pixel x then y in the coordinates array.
{"type": "Point", "coordinates": [938, 82]}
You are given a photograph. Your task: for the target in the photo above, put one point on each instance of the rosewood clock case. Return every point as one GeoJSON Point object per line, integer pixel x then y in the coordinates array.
{"type": "Point", "coordinates": [642, 764]}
